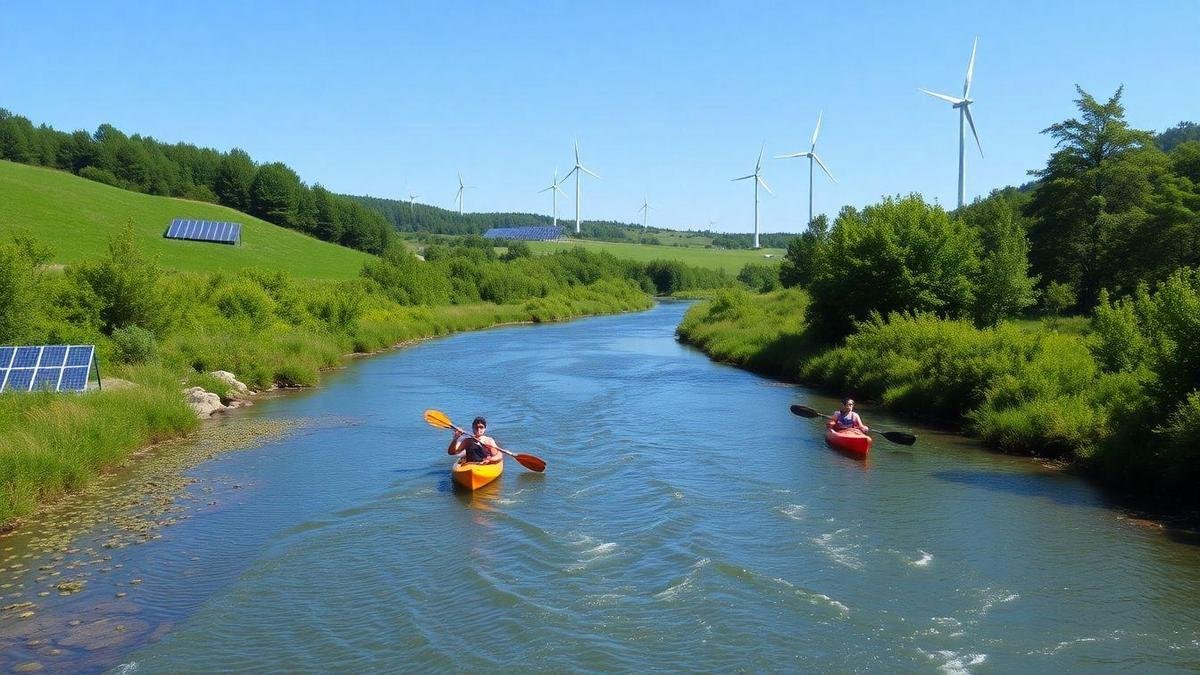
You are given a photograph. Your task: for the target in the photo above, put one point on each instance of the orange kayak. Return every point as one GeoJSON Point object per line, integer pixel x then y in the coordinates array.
{"type": "Point", "coordinates": [473, 476]}
{"type": "Point", "coordinates": [850, 441]}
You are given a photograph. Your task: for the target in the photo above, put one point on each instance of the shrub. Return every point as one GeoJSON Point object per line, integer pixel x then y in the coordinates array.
{"type": "Point", "coordinates": [760, 277]}
{"type": "Point", "coordinates": [134, 344]}
{"type": "Point", "coordinates": [244, 300]}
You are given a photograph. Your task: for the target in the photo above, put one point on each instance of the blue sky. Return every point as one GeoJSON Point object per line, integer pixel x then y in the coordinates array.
{"type": "Point", "coordinates": [668, 99]}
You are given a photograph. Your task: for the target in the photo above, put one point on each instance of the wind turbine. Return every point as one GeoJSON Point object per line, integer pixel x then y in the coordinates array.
{"type": "Point", "coordinates": [578, 170]}
{"type": "Point", "coordinates": [758, 180]}
{"type": "Point", "coordinates": [462, 187]}
{"type": "Point", "coordinates": [645, 210]}
{"type": "Point", "coordinates": [411, 197]}
{"type": "Point", "coordinates": [964, 118]}
{"type": "Point", "coordinates": [812, 157]}
{"type": "Point", "coordinates": [554, 190]}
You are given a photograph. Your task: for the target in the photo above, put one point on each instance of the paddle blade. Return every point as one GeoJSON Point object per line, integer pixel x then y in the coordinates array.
{"type": "Point", "coordinates": [804, 411]}
{"type": "Point", "coordinates": [530, 462]}
{"type": "Point", "coordinates": [437, 418]}
{"type": "Point", "coordinates": [900, 437]}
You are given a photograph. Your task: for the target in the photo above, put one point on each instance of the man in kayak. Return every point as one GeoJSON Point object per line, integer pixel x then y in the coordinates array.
{"type": "Point", "coordinates": [479, 448]}
{"type": "Point", "coordinates": [846, 418]}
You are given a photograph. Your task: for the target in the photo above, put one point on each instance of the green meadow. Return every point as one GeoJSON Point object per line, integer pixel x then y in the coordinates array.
{"type": "Point", "coordinates": [729, 261]}
{"type": "Point", "coordinates": [77, 217]}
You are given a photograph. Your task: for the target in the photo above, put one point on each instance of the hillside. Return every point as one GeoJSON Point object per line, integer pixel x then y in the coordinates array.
{"type": "Point", "coordinates": [77, 217]}
{"type": "Point", "coordinates": [729, 261]}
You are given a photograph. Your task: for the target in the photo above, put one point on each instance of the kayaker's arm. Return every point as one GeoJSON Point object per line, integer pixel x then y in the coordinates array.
{"type": "Point", "coordinates": [453, 448]}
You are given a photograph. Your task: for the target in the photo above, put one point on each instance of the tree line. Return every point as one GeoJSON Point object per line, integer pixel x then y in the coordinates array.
{"type": "Point", "coordinates": [1111, 210]}
{"type": "Point", "coordinates": [271, 191]}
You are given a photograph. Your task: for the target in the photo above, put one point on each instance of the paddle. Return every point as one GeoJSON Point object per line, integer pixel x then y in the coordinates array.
{"type": "Point", "coordinates": [894, 436]}
{"type": "Point", "coordinates": [437, 418]}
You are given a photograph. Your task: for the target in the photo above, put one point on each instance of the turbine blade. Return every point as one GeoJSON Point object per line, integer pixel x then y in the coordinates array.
{"type": "Point", "coordinates": [949, 99]}
{"type": "Point", "coordinates": [758, 164]}
{"type": "Point", "coordinates": [588, 171]}
{"type": "Point", "coordinates": [744, 177]}
{"type": "Point", "coordinates": [823, 167]}
{"type": "Point", "coordinates": [552, 187]}
{"type": "Point", "coordinates": [967, 111]}
{"type": "Point", "coordinates": [576, 152]}
{"type": "Point", "coordinates": [970, 71]}
{"type": "Point", "coordinates": [765, 186]}
{"type": "Point", "coordinates": [564, 178]}
{"type": "Point", "coordinates": [794, 154]}
{"type": "Point", "coordinates": [817, 130]}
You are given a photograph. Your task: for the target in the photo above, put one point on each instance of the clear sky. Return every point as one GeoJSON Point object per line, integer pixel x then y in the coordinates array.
{"type": "Point", "coordinates": [669, 100]}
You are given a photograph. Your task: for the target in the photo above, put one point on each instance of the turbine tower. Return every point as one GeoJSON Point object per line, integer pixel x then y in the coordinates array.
{"type": "Point", "coordinates": [411, 197]}
{"type": "Point", "coordinates": [812, 157]}
{"type": "Point", "coordinates": [964, 118]}
{"type": "Point", "coordinates": [578, 170]}
{"type": "Point", "coordinates": [554, 190]}
{"type": "Point", "coordinates": [462, 187]}
{"type": "Point", "coordinates": [758, 180]}
{"type": "Point", "coordinates": [645, 210]}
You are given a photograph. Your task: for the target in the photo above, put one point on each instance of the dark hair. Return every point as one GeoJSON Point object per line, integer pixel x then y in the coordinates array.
{"type": "Point", "coordinates": [847, 400]}
{"type": "Point", "coordinates": [478, 421]}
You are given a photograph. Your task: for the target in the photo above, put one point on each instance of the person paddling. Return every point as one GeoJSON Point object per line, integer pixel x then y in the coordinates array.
{"type": "Point", "coordinates": [846, 418]}
{"type": "Point", "coordinates": [476, 447]}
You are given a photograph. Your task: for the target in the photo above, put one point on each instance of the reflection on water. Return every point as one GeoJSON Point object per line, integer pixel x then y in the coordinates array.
{"type": "Point", "coordinates": [687, 521]}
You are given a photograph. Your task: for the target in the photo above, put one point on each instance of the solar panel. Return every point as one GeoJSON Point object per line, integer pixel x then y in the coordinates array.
{"type": "Point", "coordinates": [205, 230]}
{"type": "Point", "coordinates": [525, 233]}
{"type": "Point", "coordinates": [48, 367]}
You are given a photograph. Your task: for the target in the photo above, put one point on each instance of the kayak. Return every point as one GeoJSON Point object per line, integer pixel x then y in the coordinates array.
{"type": "Point", "coordinates": [850, 441]}
{"type": "Point", "coordinates": [474, 476]}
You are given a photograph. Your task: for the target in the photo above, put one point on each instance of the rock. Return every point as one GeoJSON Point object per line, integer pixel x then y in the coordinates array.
{"type": "Point", "coordinates": [203, 402]}
{"type": "Point", "coordinates": [236, 388]}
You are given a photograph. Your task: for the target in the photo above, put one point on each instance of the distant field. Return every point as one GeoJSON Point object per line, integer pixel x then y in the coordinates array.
{"type": "Point", "coordinates": [730, 261]}
{"type": "Point", "coordinates": [77, 217]}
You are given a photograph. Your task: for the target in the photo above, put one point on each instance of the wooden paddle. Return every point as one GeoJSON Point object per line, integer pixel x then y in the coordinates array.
{"type": "Point", "coordinates": [437, 418]}
{"type": "Point", "coordinates": [894, 436]}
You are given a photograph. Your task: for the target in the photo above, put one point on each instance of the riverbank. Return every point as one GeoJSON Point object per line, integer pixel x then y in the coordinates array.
{"type": "Point", "coordinates": [1023, 390]}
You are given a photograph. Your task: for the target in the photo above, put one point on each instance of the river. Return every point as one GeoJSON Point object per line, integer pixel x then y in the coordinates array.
{"type": "Point", "coordinates": [687, 521]}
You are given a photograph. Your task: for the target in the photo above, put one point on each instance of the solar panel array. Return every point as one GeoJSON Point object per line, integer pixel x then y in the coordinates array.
{"type": "Point", "coordinates": [205, 230]}
{"type": "Point", "coordinates": [49, 367]}
{"type": "Point", "coordinates": [525, 233]}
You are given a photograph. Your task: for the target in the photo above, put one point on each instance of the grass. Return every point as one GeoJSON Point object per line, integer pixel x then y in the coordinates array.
{"type": "Point", "coordinates": [729, 261]}
{"type": "Point", "coordinates": [77, 218]}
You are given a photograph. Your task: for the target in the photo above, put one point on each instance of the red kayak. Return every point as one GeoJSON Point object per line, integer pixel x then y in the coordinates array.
{"type": "Point", "coordinates": [850, 441]}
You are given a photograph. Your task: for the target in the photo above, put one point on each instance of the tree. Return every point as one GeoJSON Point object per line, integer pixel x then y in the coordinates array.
{"type": "Point", "coordinates": [125, 285]}
{"type": "Point", "coordinates": [1082, 209]}
{"type": "Point", "coordinates": [803, 255]}
{"type": "Point", "coordinates": [275, 193]}
{"type": "Point", "coordinates": [1004, 288]}
{"type": "Point", "coordinates": [901, 255]}
{"type": "Point", "coordinates": [235, 175]}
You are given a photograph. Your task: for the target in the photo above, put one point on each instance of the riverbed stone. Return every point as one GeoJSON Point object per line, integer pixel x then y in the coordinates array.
{"type": "Point", "coordinates": [236, 388]}
{"type": "Point", "coordinates": [203, 402]}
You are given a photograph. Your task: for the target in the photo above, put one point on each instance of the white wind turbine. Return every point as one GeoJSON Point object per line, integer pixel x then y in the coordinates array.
{"type": "Point", "coordinates": [758, 180]}
{"type": "Point", "coordinates": [964, 118]}
{"type": "Point", "coordinates": [462, 188]}
{"type": "Point", "coordinates": [578, 170]}
{"type": "Point", "coordinates": [812, 157]}
{"type": "Point", "coordinates": [411, 198]}
{"type": "Point", "coordinates": [645, 210]}
{"type": "Point", "coordinates": [554, 190]}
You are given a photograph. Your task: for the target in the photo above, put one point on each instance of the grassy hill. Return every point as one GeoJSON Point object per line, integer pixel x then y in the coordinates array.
{"type": "Point", "coordinates": [77, 217]}
{"type": "Point", "coordinates": [730, 261]}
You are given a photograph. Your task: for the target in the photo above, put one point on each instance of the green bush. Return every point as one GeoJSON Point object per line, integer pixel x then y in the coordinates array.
{"type": "Point", "coordinates": [134, 344]}
{"type": "Point", "coordinates": [244, 300]}
{"type": "Point", "coordinates": [760, 277]}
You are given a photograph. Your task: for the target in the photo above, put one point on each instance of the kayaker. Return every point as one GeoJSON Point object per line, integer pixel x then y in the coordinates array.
{"type": "Point", "coordinates": [479, 448]}
{"type": "Point", "coordinates": [846, 418]}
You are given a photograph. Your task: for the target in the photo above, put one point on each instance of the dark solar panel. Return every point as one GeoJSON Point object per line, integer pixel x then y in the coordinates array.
{"type": "Point", "coordinates": [51, 367]}
{"type": "Point", "coordinates": [205, 230]}
{"type": "Point", "coordinates": [525, 233]}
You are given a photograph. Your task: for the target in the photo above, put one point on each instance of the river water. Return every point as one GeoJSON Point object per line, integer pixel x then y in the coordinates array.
{"type": "Point", "coordinates": [687, 521]}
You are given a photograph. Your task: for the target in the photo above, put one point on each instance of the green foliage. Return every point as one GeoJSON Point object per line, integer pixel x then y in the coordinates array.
{"type": "Point", "coordinates": [245, 300]}
{"type": "Point", "coordinates": [134, 344]}
{"type": "Point", "coordinates": [899, 255]}
{"type": "Point", "coordinates": [805, 254]}
{"type": "Point", "coordinates": [1109, 210]}
{"type": "Point", "coordinates": [760, 277]}
{"type": "Point", "coordinates": [19, 299]}
{"type": "Point", "coordinates": [124, 284]}
{"type": "Point", "coordinates": [1003, 289]}
{"type": "Point", "coordinates": [764, 333]}
{"type": "Point", "coordinates": [1058, 298]}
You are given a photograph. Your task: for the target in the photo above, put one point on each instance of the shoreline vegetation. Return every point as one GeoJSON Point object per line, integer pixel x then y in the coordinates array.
{"type": "Point", "coordinates": [165, 331]}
